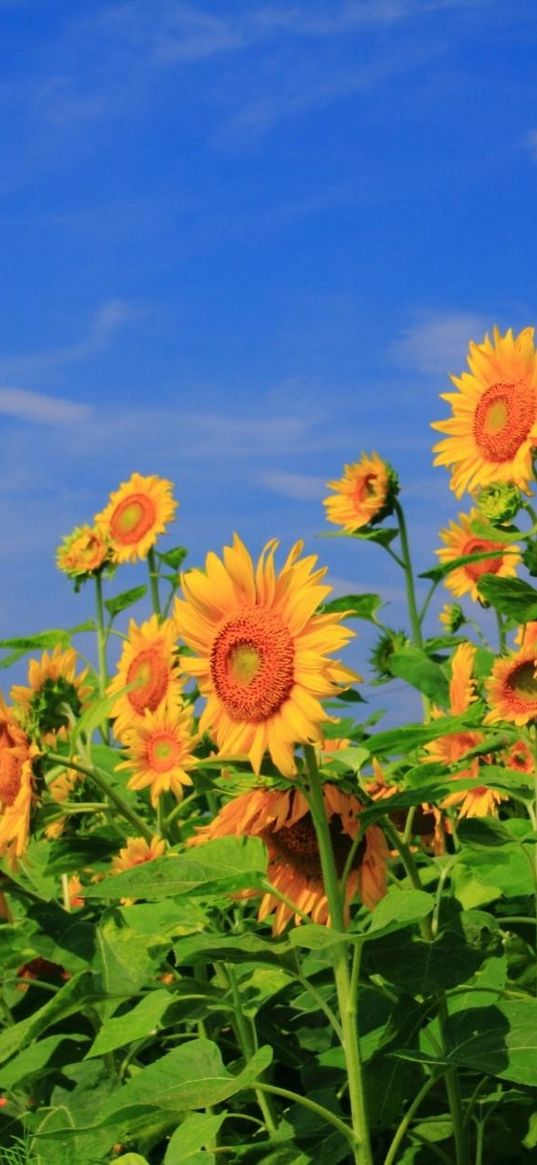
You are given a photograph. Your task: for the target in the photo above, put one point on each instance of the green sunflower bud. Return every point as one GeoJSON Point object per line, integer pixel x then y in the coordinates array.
{"type": "Point", "coordinates": [383, 651]}
{"type": "Point", "coordinates": [499, 502]}
{"type": "Point", "coordinates": [452, 616]}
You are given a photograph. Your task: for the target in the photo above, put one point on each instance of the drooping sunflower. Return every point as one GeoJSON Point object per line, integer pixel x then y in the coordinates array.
{"type": "Point", "coordinates": [149, 669]}
{"type": "Point", "coordinates": [519, 756]}
{"type": "Point", "coordinates": [512, 687]}
{"type": "Point", "coordinates": [136, 515]}
{"type": "Point", "coordinates": [159, 753]}
{"type": "Point", "coordinates": [460, 540]}
{"type": "Point", "coordinates": [493, 429]}
{"type": "Point", "coordinates": [136, 852]}
{"type": "Point", "coordinates": [55, 694]}
{"type": "Point", "coordinates": [261, 651]}
{"type": "Point", "coordinates": [83, 552]}
{"type": "Point", "coordinates": [16, 785]}
{"type": "Point", "coordinates": [363, 495]}
{"type": "Point", "coordinates": [283, 820]}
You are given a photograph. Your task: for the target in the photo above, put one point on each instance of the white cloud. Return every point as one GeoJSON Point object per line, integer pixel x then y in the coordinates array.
{"type": "Point", "coordinates": [437, 343]}
{"type": "Point", "coordinates": [106, 321]}
{"type": "Point", "coordinates": [300, 487]}
{"type": "Point", "coordinates": [45, 410]}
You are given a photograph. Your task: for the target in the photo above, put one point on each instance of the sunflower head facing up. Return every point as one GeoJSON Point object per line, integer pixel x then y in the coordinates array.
{"type": "Point", "coordinates": [147, 676]}
{"type": "Point", "coordinates": [159, 753]}
{"type": "Point", "coordinates": [83, 552]}
{"type": "Point", "coordinates": [261, 651]}
{"type": "Point", "coordinates": [283, 820]}
{"type": "Point", "coordinates": [501, 558]}
{"type": "Point", "coordinates": [136, 515]}
{"type": "Point", "coordinates": [55, 697]}
{"type": "Point", "coordinates": [364, 495]}
{"type": "Point", "coordinates": [17, 754]}
{"type": "Point", "coordinates": [492, 432]}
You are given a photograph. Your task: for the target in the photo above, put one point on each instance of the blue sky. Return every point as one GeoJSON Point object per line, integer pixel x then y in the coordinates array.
{"type": "Point", "coordinates": [242, 242]}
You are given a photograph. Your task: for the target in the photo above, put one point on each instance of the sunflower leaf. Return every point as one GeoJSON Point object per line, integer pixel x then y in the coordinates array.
{"type": "Point", "coordinates": [418, 669]}
{"type": "Point", "coordinates": [355, 606]}
{"type": "Point", "coordinates": [437, 573]}
{"type": "Point", "coordinates": [124, 600]}
{"type": "Point", "coordinates": [510, 596]}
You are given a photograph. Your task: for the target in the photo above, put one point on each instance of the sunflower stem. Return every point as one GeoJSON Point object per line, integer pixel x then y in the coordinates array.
{"type": "Point", "coordinates": [347, 998]}
{"type": "Point", "coordinates": [409, 577]}
{"type": "Point", "coordinates": [101, 646]}
{"type": "Point", "coordinates": [501, 632]}
{"type": "Point", "coordinates": [153, 581]}
{"type": "Point", "coordinates": [102, 784]}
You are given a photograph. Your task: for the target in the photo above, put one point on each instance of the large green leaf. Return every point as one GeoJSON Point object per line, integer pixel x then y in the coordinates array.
{"type": "Point", "coordinates": [415, 666]}
{"type": "Point", "coordinates": [33, 1059]}
{"type": "Point", "coordinates": [510, 596]}
{"type": "Point", "coordinates": [125, 599]}
{"type": "Point", "coordinates": [199, 1130]}
{"type": "Point", "coordinates": [243, 948]}
{"type": "Point", "coordinates": [437, 573]}
{"type": "Point", "coordinates": [230, 863]}
{"type": "Point", "coordinates": [402, 741]}
{"type": "Point", "coordinates": [79, 991]}
{"type": "Point", "coordinates": [500, 1040]}
{"type": "Point", "coordinates": [359, 606]}
{"type": "Point", "coordinates": [135, 1024]}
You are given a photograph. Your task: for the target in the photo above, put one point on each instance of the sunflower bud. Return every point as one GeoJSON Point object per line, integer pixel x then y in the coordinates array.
{"type": "Point", "coordinates": [499, 502]}
{"type": "Point", "coordinates": [452, 616]}
{"type": "Point", "coordinates": [382, 652]}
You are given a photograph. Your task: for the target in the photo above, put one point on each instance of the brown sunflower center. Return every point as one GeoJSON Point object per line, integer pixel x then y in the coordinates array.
{"type": "Point", "coordinates": [10, 776]}
{"type": "Point", "coordinates": [132, 519]}
{"type": "Point", "coordinates": [474, 570]}
{"type": "Point", "coordinates": [149, 673]}
{"type": "Point", "coordinates": [163, 751]}
{"type": "Point", "coordinates": [523, 682]}
{"type": "Point", "coordinates": [503, 419]}
{"type": "Point", "coordinates": [252, 664]}
{"type": "Point", "coordinates": [367, 488]}
{"type": "Point", "coordinates": [297, 847]}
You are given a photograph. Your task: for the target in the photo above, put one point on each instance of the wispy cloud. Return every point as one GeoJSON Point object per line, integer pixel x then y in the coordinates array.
{"type": "Point", "coordinates": [300, 487]}
{"type": "Point", "coordinates": [107, 320]}
{"type": "Point", "coordinates": [438, 342]}
{"type": "Point", "coordinates": [42, 409]}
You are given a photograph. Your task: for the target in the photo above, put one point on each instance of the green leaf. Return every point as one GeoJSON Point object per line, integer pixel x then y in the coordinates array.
{"type": "Point", "coordinates": [125, 599]}
{"type": "Point", "coordinates": [510, 596]}
{"type": "Point", "coordinates": [124, 959]}
{"type": "Point", "coordinates": [357, 606]}
{"type": "Point", "coordinates": [52, 1153]}
{"type": "Point", "coordinates": [499, 1040]}
{"type": "Point", "coordinates": [410, 736]}
{"type": "Point", "coordinates": [437, 573]}
{"type": "Point", "coordinates": [33, 1059]}
{"type": "Point", "coordinates": [40, 641]}
{"type": "Point", "coordinates": [131, 1159]}
{"type": "Point", "coordinates": [94, 716]}
{"type": "Point", "coordinates": [229, 863]}
{"type": "Point", "coordinates": [482, 832]}
{"type": "Point", "coordinates": [173, 558]}
{"type": "Point", "coordinates": [196, 1132]}
{"type": "Point", "coordinates": [398, 909]}
{"type": "Point", "coordinates": [69, 1000]}
{"type": "Point", "coordinates": [414, 665]}
{"type": "Point", "coordinates": [383, 537]}
{"type": "Point", "coordinates": [138, 1022]}
{"type": "Point", "coordinates": [244, 948]}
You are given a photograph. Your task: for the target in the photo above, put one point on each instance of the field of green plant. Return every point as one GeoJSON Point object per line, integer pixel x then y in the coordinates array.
{"type": "Point", "coordinates": [242, 921]}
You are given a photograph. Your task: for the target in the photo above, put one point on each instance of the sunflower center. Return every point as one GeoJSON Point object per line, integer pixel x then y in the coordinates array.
{"type": "Point", "coordinates": [52, 704]}
{"type": "Point", "coordinates": [366, 488]}
{"type": "Point", "coordinates": [163, 752]}
{"type": "Point", "coordinates": [132, 518]}
{"type": "Point", "coordinates": [149, 673]}
{"type": "Point", "coordinates": [297, 846]}
{"type": "Point", "coordinates": [503, 419]}
{"type": "Point", "coordinates": [474, 570]}
{"type": "Point", "coordinates": [252, 664]}
{"type": "Point", "coordinates": [523, 682]}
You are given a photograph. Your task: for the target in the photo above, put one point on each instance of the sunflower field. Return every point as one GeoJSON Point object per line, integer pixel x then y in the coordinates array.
{"type": "Point", "coordinates": [242, 921]}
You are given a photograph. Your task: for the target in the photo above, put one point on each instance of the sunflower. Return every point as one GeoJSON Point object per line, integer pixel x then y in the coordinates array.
{"type": "Point", "coordinates": [55, 696]}
{"type": "Point", "coordinates": [16, 785]}
{"type": "Point", "coordinates": [520, 757]}
{"type": "Point", "coordinates": [427, 820]}
{"type": "Point", "coordinates": [283, 820]}
{"type": "Point", "coordinates": [261, 651]}
{"type": "Point", "coordinates": [478, 802]}
{"type": "Point", "coordinates": [159, 753]}
{"type": "Point", "coordinates": [148, 667]}
{"type": "Point", "coordinates": [512, 687]}
{"type": "Point", "coordinates": [493, 430]}
{"type": "Point", "coordinates": [135, 516]}
{"type": "Point", "coordinates": [82, 552]}
{"type": "Point", "coordinates": [136, 852]}
{"type": "Point", "coordinates": [363, 495]}
{"type": "Point", "coordinates": [460, 540]}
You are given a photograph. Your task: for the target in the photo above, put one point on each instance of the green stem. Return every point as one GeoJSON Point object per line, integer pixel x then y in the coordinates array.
{"type": "Point", "coordinates": [501, 632]}
{"type": "Point", "coordinates": [347, 1001]}
{"type": "Point", "coordinates": [321, 1003]}
{"type": "Point", "coordinates": [318, 1109]}
{"type": "Point", "coordinates": [409, 578]}
{"type": "Point", "coordinates": [101, 635]}
{"type": "Point", "coordinates": [102, 784]}
{"type": "Point", "coordinates": [153, 581]}
{"type": "Point", "coordinates": [404, 1125]}
{"type": "Point", "coordinates": [246, 1042]}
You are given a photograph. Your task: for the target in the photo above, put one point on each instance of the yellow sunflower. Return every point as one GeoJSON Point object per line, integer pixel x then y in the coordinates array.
{"type": "Point", "coordinates": [283, 820]}
{"type": "Point", "coordinates": [459, 540]}
{"type": "Point", "coordinates": [478, 802]}
{"type": "Point", "coordinates": [55, 695]}
{"type": "Point", "coordinates": [512, 687]}
{"type": "Point", "coordinates": [493, 429]}
{"type": "Point", "coordinates": [261, 651]}
{"type": "Point", "coordinates": [84, 551]}
{"type": "Point", "coordinates": [136, 515]}
{"type": "Point", "coordinates": [148, 667]}
{"type": "Point", "coordinates": [136, 852]}
{"type": "Point", "coordinates": [363, 495]}
{"type": "Point", "coordinates": [16, 785]}
{"type": "Point", "coordinates": [159, 753]}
